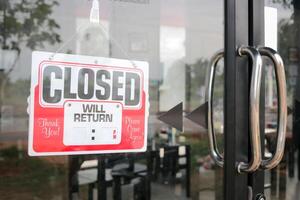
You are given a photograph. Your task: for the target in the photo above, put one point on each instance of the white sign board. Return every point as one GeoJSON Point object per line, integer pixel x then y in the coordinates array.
{"type": "Point", "coordinates": [84, 105]}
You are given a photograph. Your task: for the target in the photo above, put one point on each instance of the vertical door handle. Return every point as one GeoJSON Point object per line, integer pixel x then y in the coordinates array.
{"type": "Point", "coordinates": [255, 86]}
{"type": "Point", "coordinates": [254, 109]}
{"type": "Point", "coordinates": [282, 107]}
{"type": "Point", "coordinates": [214, 152]}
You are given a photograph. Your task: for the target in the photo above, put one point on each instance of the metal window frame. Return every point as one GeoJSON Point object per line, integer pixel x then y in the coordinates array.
{"type": "Point", "coordinates": [243, 26]}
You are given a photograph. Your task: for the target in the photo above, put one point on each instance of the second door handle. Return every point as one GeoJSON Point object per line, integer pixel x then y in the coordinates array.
{"type": "Point", "coordinates": [255, 87]}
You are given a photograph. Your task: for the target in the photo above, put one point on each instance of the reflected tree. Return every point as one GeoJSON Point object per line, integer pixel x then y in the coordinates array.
{"type": "Point", "coordinates": [289, 37]}
{"type": "Point", "coordinates": [195, 83]}
{"type": "Point", "coordinates": [24, 24]}
{"type": "Point", "coordinates": [27, 22]}
{"type": "Point", "coordinates": [286, 35]}
{"type": "Point", "coordinates": [196, 77]}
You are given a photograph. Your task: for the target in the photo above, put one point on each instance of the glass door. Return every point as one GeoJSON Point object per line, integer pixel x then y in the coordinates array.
{"type": "Point", "coordinates": [216, 119]}
{"type": "Point", "coordinates": [178, 39]}
{"type": "Point", "coordinates": [273, 30]}
{"type": "Point", "coordinates": [282, 182]}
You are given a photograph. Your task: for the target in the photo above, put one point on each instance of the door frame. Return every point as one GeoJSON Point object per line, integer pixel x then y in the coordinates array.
{"type": "Point", "coordinates": [244, 22]}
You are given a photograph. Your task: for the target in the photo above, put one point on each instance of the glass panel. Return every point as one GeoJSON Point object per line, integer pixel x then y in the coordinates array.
{"type": "Point", "coordinates": [283, 182]}
{"type": "Point", "coordinates": [177, 38]}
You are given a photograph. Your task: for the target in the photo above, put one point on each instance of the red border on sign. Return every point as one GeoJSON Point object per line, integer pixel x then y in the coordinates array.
{"type": "Point", "coordinates": [55, 144]}
{"type": "Point", "coordinates": [131, 140]}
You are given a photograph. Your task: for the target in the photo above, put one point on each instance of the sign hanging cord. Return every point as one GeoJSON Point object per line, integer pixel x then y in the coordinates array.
{"type": "Point", "coordinates": [95, 18]}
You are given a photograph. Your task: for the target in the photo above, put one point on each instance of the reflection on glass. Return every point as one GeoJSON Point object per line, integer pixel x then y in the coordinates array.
{"type": "Point", "coordinates": [282, 181]}
{"type": "Point", "coordinates": [176, 40]}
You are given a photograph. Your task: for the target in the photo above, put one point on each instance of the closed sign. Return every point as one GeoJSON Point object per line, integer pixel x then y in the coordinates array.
{"type": "Point", "coordinates": [84, 105]}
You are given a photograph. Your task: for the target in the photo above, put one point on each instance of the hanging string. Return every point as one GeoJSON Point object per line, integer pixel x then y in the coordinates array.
{"type": "Point", "coordinates": [69, 40]}
{"type": "Point", "coordinates": [95, 19]}
{"type": "Point", "coordinates": [116, 43]}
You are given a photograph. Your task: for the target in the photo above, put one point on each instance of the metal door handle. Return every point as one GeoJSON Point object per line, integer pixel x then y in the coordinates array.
{"type": "Point", "coordinates": [254, 110]}
{"type": "Point", "coordinates": [282, 107]}
{"type": "Point", "coordinates": [214, 152]}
